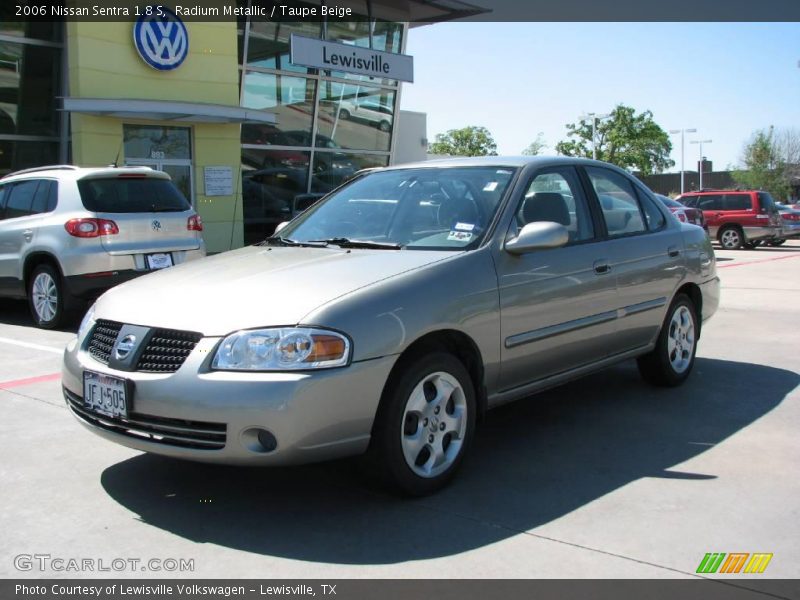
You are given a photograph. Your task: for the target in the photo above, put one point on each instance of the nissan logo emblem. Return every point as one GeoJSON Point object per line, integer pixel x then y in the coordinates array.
{"type": "Point", "coordinates": [125, 346]}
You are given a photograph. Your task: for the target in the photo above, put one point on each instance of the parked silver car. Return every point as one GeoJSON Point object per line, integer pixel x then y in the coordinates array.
{"type": "Point", "coordinates": [69, 233]}
{"type": "Point", "coordinates": [392, 313]}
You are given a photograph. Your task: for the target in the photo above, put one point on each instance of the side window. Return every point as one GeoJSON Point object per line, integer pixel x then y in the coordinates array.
{"type": "Point", "coordinates": [690, 201]}
{"type": "Point", "coordinates": [2, 201]}
{"type": "Point", "coordinates": [654, 217]}
{"type": "Point", "coordinates": [42, 197]}
{"type": "Point", "coordinates": [557, 196]}
{"type": "Point", "coordinates": [52, 199]}
{"type": "Point", "coordinates": [710, 202]}
{"type": "Point", "coordinates": [621, 210]}
{"type": "Point", "coordinates": [736, 202]}
{"type": "Point", "coordinates": [20, 199]}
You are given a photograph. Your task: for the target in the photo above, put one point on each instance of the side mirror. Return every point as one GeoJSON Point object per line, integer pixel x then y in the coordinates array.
{"type": "Point", "coordinates": [281, 226]}
{"type": "Point", "coordinates": [302, 202]}
{"type": "Point", "coordinates": [540, 235]}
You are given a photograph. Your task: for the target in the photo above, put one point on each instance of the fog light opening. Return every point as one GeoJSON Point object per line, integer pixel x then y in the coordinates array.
{"type": "Point", "coordinates": [259, 441]}
{"type": "Point", "coordinates": [267, 440]}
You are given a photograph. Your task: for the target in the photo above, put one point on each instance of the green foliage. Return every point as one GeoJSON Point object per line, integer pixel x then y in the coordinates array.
{"type": "Point", "coordinates": [765, 168]}
{"type": "Point", "coordinates": [467, 141]}
{"type": "Point", "coordinates": [625, 139]}
{"type": "Point", "coordinates": [536, 146]}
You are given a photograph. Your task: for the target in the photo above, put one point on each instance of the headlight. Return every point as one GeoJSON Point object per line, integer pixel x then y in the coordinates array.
{"type": "Point", "coordinates": [281, 350]}
{"type": "Point", "coordinates": [87, 323]}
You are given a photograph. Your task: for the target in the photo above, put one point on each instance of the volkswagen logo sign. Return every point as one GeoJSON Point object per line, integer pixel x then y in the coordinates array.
{"type": "Point", "coordinates": [156, 225]}
{"type": "Point", "coordinates": [161, 38]}
{"type": "Point", "coordinates": [125, 346]}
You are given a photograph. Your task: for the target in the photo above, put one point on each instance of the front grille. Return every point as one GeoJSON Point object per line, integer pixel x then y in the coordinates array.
{"type": "Point", "coordinates": [165, 352]}
{"type": "Point", "coordinates": [198, 435]}
{"type": "Point", "coordinates": [102, 341]}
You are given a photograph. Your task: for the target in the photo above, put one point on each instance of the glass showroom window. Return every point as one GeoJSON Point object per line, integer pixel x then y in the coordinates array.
{"type": "Point", "coordinates": [355, 116]}
{"type": "Point", "coordinates": [270, 181]}
{"type": "Point", "coordinates": [290, 99]}
{"type": "Point", "coordinates": [332, 169]}
{"type": "Point", "coordinates": [268, 44]}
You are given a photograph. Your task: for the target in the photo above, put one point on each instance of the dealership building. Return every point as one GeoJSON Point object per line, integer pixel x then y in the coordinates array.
{"type": "Point", "coordinates": [245, 114]}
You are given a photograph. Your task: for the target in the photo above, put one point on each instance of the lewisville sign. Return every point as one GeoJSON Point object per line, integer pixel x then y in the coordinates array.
{"type": "Point", "coordinates": [334, 56]}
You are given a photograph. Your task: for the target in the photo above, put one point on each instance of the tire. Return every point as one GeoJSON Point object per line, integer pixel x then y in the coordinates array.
{"type": "Point", "coordinates": [424, 426]}
{"type": "Point", "coordinates": [731, 237]}
{"type": "Point", "coordinates": [344, 114]}
{"type": "Point", "coordinates": [384, 126]}
{"type": "Point", "coordinates": [778, 242]}
{"type": "Point", "coordinates": [46, 297]}
{"type": "Point", "coordinates": [671, 361]}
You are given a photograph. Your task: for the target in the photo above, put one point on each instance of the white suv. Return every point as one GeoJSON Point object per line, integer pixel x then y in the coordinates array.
{"type": "Point", "coordinates": [68, 233]}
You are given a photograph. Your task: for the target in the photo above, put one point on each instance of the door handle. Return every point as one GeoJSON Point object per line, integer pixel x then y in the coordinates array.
{"type": "Point", "coordinates": [601, 267]}
{"type": "Point", "coordinates": [673, 251]}
{"type": "Point", "coordinates": [28, 235]}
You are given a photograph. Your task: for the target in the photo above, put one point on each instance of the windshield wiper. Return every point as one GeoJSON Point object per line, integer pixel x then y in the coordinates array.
{"type": "Point", "coordinates": [344, 242]}
{"type": "Point", "coordinates": [277, 240]}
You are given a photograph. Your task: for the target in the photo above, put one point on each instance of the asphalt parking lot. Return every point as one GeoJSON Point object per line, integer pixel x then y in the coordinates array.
{"type": "Point", "coordinates": [602, 478]}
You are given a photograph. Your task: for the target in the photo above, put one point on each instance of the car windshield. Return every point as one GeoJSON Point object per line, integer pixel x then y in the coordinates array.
{"type": "Point", "coordinates": [430, 208]}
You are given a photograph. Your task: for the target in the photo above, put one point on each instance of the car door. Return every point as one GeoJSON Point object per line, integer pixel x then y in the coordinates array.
{"type": "Point", "coordinates": [712, 207]}
{"type": "Point", "coordinates": [557, 305]}
{"type": "Point", "coordinates": [646, 252]}
{"type": "Point", "coordinates": [17, 228]}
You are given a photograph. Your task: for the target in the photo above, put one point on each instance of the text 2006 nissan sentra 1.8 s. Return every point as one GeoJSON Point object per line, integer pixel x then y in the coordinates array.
{"type": "Point", "coordinates": [389, 315]}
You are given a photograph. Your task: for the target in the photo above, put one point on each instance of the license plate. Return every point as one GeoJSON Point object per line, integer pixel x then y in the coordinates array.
{"type": "Point", "coordinates": [159, 261]}
{"type": "Point", "coordinates": [105, 394]}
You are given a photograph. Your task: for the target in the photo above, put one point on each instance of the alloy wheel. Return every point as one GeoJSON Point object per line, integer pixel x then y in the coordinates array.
{"type": "Point", "coordinates": [45, 296]}
{"type": "Point", "coordinates": [434, 425]}
{"type": "Point", "coordinates": [681, 339]}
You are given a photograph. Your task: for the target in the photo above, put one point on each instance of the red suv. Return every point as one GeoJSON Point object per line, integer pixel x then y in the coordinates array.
{"type": "Point", "coordinates": [737, 218]}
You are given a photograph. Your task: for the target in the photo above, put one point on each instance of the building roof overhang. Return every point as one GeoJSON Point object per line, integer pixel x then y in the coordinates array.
{"type": "Point", "coordinates": [163, 110]}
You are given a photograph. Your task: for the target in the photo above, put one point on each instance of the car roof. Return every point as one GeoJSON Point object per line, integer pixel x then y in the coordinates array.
{"type": "Point", "coordinates": [72, 172]}
{"type": "Point", "coordinates": [504, 161]}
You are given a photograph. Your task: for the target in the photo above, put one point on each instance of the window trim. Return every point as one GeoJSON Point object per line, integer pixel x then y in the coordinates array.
{"type": "Point", "coordinates": [597, 234]}
{"type": "Point", "coordinates": [596, 201]}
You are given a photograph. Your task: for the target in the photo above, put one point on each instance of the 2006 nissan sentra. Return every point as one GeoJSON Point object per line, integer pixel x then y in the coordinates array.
{"type": "Point", "coordinates": [389, 315]}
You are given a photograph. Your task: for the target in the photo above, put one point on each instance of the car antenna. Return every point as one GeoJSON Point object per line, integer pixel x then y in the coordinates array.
{"type": "Point", "coordinates": [116, 160]}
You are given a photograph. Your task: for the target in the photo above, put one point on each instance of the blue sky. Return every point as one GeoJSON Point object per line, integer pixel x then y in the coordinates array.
{"type": "Point", "coordinates": [517, 79]}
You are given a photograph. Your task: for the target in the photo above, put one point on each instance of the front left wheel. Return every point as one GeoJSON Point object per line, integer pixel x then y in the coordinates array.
{"type": "Point", "coordinates": [671, 361]}
{"type": "Point", "coordinates": [424, 425]}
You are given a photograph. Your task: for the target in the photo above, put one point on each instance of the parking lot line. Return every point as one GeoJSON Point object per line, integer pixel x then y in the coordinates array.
{"type": "Point", "coordinates": [5, 385]}
{"type": "Point", "coordinates": [760, 260]}
{"type": "Point", "coordinates": [29, 345]}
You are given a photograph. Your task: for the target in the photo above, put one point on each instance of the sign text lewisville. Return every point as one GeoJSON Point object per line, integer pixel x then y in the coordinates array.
{"type": "Point", "coordinates": [334, 56]}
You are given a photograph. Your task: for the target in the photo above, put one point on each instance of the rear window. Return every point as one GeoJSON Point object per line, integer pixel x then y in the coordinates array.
{"type": "Point", "coordinates": [131, 195]}
{"type": "Point", "coordinates": [767, 202]}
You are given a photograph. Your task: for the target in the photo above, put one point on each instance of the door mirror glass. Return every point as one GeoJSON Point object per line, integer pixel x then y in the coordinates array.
{"type": "Point", "coordinates": [539, 235]}
{"type": "Point", "coordinates": [281, 226]}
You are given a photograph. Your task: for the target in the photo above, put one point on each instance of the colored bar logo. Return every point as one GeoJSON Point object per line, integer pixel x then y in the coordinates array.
{"type": "Point", "coordinates": [736, 562]}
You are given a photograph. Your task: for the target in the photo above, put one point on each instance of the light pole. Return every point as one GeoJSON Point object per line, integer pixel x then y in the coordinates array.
{"type": "Point", "coordinates": [595, 117]}
{"type": "Point", "coordinates": [701, 142]}
{"type": "Point", "coordinates": [682, 132]}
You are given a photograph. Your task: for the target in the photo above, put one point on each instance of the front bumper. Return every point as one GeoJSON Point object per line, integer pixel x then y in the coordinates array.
{"type": "Point", "coordinates": [215, 416]}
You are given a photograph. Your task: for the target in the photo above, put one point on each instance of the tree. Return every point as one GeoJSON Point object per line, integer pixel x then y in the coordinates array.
{"type": "Point", "coordinates": [766, 158]}
{"type": "Point", "coordinates": [467, 141]}
{"type": "Point", "coordinates": [536, 146]}
{"type": "Point", "coordinates": [625, 139]}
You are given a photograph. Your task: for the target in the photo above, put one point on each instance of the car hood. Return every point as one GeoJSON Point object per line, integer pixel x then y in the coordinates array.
{"type": "Point", "coordinates": [253, 287]}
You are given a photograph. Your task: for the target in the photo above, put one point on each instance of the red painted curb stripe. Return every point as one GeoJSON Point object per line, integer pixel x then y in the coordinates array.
{"type": "Point", "coordinates": [761, 260]}
{"type": "Point", "coordinates": [4, 385]}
